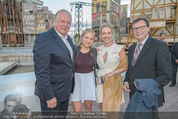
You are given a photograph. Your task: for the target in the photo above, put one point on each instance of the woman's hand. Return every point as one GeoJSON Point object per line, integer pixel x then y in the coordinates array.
{"type": "Point", "coordinates": [108, 75]}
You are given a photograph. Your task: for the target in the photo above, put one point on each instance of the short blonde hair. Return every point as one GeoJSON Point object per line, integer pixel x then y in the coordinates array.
{"type": "Point", "coordinates": [57, 15]}
{"type": "Point", "coordinates": [103, 26]}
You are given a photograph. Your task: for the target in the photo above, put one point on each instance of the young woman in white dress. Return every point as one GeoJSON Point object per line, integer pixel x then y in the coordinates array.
{"type": "Point", "coordinates": [112, 61]}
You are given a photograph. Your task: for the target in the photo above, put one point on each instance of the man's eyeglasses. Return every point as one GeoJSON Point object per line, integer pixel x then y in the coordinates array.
{"type": "Point", "coordinates": [138, 28]}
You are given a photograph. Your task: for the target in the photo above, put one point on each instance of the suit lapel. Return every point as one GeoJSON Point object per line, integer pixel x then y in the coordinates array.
{"type": "Point", "coordinates": [60, 42]}
{"type": "Point", "coordinates": [73, 49]}
{"type": "Point", "coordinates": [144, 49]}
{"type": "Point", "coordinates": [132, 50]}
{"type": "Point", "coordinates": [72, 46]}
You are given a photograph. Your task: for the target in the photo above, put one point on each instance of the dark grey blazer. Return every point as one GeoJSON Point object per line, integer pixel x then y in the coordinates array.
{"type": "Point", "coordinates": [153, 62]}
{"type": "Point", "coordinates": [54, 68]}
{"type": "Point", "coordinates": [174, 52]}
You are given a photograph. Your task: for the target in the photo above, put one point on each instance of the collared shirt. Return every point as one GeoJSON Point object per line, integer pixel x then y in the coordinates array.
{"type": "Point", "coordinates": [143, 42]}
{"type": "Point", "coordinates": [66, 42]}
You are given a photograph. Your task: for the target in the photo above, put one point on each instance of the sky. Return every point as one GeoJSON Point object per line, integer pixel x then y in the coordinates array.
{"type": "Point", "coordinates": [55, 5]}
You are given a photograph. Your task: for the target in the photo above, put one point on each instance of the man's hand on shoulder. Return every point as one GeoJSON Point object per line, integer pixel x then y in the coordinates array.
{"type": "Point", "coordinates": [52, 103]}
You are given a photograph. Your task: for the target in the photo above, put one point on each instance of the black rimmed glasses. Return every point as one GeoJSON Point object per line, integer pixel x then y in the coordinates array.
{"type": "Point", "coordinates": [138, 28]}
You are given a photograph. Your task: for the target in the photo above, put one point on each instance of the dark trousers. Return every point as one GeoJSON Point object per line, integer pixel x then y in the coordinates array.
{"type": "Point", "coordinates": [174, 70]}
{"type": "Point", "coordinates": [59, 112]}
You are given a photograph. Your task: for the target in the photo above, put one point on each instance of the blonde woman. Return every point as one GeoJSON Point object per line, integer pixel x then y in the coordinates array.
{"type": "Point", "coordinates": [112, 61]}
{"type": "Point", "coordinates": [85, 64]}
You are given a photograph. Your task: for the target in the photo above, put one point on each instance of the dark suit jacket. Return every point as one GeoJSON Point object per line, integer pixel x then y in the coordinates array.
{"type": "Point", "coordinates": [153, 62]}
{"type": "Point", "coordinates": [54, 68]}
{"type": "Point", "coordinates": [174, 53]}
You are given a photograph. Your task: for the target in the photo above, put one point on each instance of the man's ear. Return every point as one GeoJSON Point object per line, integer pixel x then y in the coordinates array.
{"type": "Point", "coordinates": [54, 23]}
{"type": "Point", "coordinates": [148, 29]}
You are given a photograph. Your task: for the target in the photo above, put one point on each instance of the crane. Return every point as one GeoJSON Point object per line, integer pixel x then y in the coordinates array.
{"type": "Point", "coordinates": [78, 18]}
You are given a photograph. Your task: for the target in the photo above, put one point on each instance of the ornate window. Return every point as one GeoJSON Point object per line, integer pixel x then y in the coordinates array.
{"type": "Point", "coordinates": [103, 18]}
{"type": "Point", "coordinates": [98, 20]}
{"type": "Point", "coordinates": [104, 6]}
{"type": "Point", "coordinates": [98, 7]}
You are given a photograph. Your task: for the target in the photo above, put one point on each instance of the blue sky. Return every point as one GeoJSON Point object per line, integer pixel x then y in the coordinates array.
{"type": "Point", "coordinates": [55, 5]}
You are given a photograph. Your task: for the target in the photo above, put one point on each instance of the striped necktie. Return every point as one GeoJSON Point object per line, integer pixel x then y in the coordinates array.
{"type": "Point", "coordinates": [136, 54]}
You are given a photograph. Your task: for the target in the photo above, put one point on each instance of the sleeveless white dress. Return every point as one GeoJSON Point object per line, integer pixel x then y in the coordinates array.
{"type": "Point", "coordinates": [113, 60]}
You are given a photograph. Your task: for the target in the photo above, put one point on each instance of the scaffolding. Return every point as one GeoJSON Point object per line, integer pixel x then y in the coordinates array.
{"type": "Point", "coordinates": [162, 15]}
{"type": "Point", "coordinates": [11, 23]}
{"type": "Point", "coordinates": [78, 23]}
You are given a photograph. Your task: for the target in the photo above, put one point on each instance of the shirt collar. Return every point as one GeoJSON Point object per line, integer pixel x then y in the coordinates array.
{"type": "Point", "coordinates": [63, 37]}
{"type": "Point", "coordinates": [143, 42]}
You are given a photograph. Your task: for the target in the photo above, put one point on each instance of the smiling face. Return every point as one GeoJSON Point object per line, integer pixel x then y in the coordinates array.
{"type": "Point", "coordinates": [163, 37]}
{"type": "Point", "coordinates": [62, 23]}
{"type": "Point", "coordinates": [88, 39]}
{"type": "Point", "coordinates": [140, 30]}
{"type": "Point", "coordinates": [106, 35]}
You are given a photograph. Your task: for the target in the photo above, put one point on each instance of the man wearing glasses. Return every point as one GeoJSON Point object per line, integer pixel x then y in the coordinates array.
{"type": "Point", "coordinates": [148, 58]}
